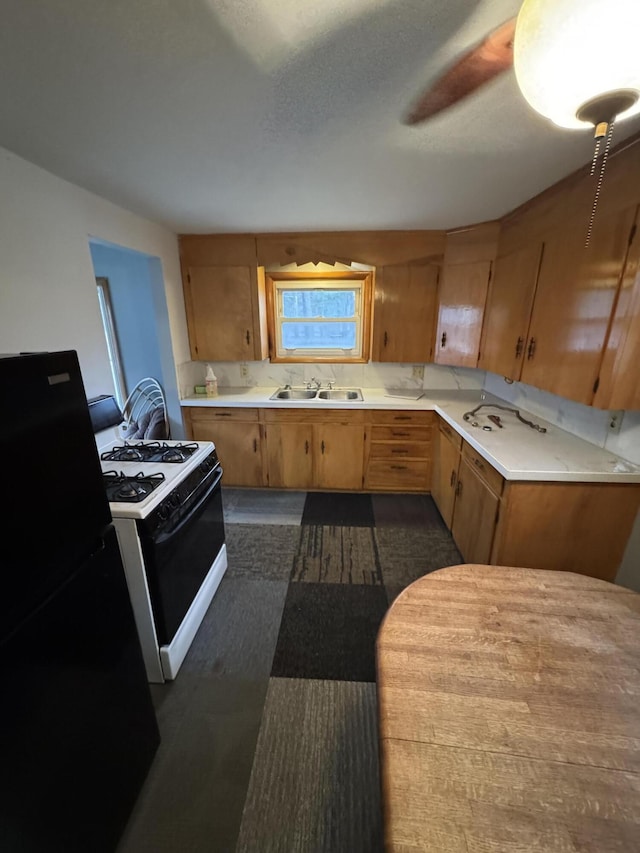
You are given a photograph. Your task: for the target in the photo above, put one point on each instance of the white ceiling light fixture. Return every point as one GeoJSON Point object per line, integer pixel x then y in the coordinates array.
{"type": "Point", "coordinates": [576, 63]}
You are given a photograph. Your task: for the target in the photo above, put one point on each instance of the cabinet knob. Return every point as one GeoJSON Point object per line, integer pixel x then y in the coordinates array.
{"type": "Point", "coordinates": [248, 337]}
{"type": "Point", "coordinates": [255, 445]}
{"type": "Point", "coordinates": [459, 488]}
{"type": "Point", "coordinates": [386, 339]}
{"type": "Point", "coordinates": [306, 447]}
{"type": "Point", "coordinates": [519, 347]}
{"type": "Point", "coordinates": [452, 479]}
{"type": "Point", "coordinates": [443, 340]}
{"type": "Point", "coordinates": [322, 447]}
{"type": "Point", "coordinates": [531, 350]}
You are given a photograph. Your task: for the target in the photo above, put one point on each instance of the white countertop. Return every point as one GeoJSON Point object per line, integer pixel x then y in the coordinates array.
{"type": "Point", "coordinates": [517, 451]}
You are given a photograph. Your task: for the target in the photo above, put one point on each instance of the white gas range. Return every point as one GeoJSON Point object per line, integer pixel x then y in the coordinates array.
{"type": "Point", "coordinates": [166, 504]}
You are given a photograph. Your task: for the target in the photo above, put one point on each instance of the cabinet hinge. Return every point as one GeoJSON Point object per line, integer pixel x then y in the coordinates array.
{"type": "Point", "coordinates": [596, 385]}
{"type": "Point", "coordinates": [632, 233]}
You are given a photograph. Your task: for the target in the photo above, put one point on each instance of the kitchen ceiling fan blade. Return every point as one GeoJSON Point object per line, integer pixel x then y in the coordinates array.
{"type": "Point", "coordinates": [478, 66]}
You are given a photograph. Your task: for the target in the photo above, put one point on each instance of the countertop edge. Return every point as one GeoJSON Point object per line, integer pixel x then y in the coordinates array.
{"type": "Point", "coordinates": [447, 405]}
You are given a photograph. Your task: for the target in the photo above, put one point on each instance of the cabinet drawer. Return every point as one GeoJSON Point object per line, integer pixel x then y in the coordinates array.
{"type": "Point", "coordinates": [451, 434]}
{"type": "Point", "coordinates": [489, 474]}
{"type": "Point", "coordinates": [313, 416]}
{"type": "Point", "coordinates": [222, 413]}
{"type": "Point", "coordinates": [398, 476]}
{"type": "Point", "coordinates": [399, 449]}
{"type": "Point", "coordinates": [402, 417]}
{"type": "Point", "coordinates": [400, 433]}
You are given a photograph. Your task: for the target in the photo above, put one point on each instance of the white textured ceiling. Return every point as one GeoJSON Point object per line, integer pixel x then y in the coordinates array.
{"type": "Point", "coordinates": [268, 115]}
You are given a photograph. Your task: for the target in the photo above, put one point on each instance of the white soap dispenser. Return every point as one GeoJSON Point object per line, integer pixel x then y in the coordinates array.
{"type": "Point", "coordinates": [211, 382]}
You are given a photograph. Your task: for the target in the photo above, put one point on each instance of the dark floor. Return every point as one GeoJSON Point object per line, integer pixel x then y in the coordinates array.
{"type": "Point", "coordinates": [269, 733]}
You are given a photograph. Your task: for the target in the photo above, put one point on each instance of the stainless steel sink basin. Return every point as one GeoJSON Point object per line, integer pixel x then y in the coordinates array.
{"type": "Point", "coordinates": [341, 394]}
{"type": "Point", "coordinates": [294, 394]}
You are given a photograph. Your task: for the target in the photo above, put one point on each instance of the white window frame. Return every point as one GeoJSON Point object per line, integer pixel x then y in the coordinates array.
{"type": "Point", "coordinates": [113, 347]}
{"type": "Point", "coordinates": [279, 283]}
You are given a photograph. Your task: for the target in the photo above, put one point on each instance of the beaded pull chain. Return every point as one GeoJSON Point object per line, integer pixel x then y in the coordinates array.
{"type": "Point", "coordinates": [602, 129]}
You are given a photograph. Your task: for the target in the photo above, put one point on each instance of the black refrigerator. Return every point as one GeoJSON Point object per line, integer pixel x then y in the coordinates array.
{"type": "Point", "coordinates": [77, 727]}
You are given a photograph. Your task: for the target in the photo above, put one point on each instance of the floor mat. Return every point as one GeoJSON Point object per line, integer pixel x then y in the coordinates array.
{"type": "Point", "coordinates": [408, 554]}
{"type": "Point", "coordinates": [338, 509]}
{"type": "Point", "coordinates": [261, 551]}
{"type": "Point", "coordinates": [406, 511]}
{"type": "Point", "coordinates": [262, 506]}
{"type": "Point", "coordinates": [328, 631]}
{"type": "Point", "coordinates": [337, 555]}
{"type": "Point", "coordinates": [315, 780]}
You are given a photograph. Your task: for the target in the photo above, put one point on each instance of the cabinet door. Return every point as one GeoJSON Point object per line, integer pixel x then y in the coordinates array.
{"type": "Point", "coordinates": [290, 456]}
{"type": "Point", "coordinates": [574, 300]}
{"type": "Point", "coordinates": [474, 517]}
{"type": "Point", "coordinates": [445, 476]}
{"type": "Point", "coordinates": [220, 313]}
{"type": "Point", "coordinates": [463, 294]}
{"type": "Point", "coordinates": [619, 385]}
{"type": "Point", "coordinates": [239, 448]}
{"type": "Point", "coordinates": [339, 456]}
{"type": "Point", "coordinates": [506, 319]}
{"type": "Point", "coordinates": [405, 313]}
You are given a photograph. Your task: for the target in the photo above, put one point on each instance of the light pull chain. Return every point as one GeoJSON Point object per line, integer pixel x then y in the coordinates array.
{"type": "Point", "coordinates": [596, 152]}
{"type": "Point", "coordinates": [600, 176]}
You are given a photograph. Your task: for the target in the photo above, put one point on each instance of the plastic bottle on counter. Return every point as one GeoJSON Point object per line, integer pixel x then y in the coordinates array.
{"type": "Point", "coordinates": [211, 382]}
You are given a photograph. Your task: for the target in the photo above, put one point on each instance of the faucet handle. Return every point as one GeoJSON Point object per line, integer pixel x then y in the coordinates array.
{"type": "Point", "coordinates": [330, 383]}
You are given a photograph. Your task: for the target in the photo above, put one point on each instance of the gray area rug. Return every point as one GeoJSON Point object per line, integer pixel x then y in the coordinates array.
{"type": "Point", "coordinates": [408, 554]}
{"type": "Point", "coordinates": [315, 782]}
{"type": "Point", "coordinates": [261, 551]}
{"type": "Point", "coordinates": [337, 555]}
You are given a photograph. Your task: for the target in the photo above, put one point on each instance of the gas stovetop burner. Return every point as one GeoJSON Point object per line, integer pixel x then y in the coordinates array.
{"type": "Point", "coordinates": [132, 489]}
{"type": "Point", "coordinates": [152, 451]}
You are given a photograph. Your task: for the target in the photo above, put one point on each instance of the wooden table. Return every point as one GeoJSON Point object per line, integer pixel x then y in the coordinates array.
{"type": "Point", "coordinates": [510, 713]}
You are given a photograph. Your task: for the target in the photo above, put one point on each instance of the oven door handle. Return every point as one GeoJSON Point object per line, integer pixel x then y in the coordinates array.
{"type": "Point", "coordinates": [175, 531]}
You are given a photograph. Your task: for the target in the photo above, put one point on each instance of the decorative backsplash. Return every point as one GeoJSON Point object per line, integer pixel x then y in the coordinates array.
{"type": "Point", "coordinates": [264, 374]}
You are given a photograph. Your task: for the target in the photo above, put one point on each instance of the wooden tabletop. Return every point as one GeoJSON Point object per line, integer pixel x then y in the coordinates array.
{"type": "Point", "coordinates": [510, 713]}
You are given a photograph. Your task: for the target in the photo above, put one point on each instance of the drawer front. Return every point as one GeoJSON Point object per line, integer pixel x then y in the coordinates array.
{"type": "Point", "coordinates": [398, 476]}
{"type": "Point", "coordinates": [402, 417]}
{"type": "Point", "coordinates": [222, 413]}
{"type": "Point", "coordinates": [489, 474]}
{"type": "Point", "coordinates": [451, 434]}
{"type": "Point", "coordinates": [400, 432]}
{"type": "Point", "coordinates": [399, 449]}
{"type": "Point", "coordinates": [313, 416]}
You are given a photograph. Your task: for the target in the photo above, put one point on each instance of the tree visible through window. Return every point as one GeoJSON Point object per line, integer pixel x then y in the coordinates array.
{"type": "Point", "coordinates": [324, 319]}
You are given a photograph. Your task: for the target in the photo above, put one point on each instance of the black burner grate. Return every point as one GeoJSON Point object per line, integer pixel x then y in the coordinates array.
{"type": "Point", "coordinates": [149, 452]}
{"type": "Point", "coordinates": [121, 488]}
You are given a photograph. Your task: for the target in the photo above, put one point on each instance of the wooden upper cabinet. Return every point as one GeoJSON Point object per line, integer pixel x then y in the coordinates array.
{"type": "Point", "coordinates": [619, 385]}
{"type": "Point", "coordinates": [463, 294]}
{"type": "Point", "coordinates": [226, 313]}
{"type": "Point", "coordinates": [509, 304]}
{"type": "Point", "coordinates": [405, 310]}
{"type": "Point", "coordinates": [576, 292]}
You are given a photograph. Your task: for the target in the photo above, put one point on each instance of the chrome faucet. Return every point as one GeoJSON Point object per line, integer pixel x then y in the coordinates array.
{"type": "Point", "coordinates": [316, 382]}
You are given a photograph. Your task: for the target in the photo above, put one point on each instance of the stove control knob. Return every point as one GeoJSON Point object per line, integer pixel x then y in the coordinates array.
{"type": "Point", "coordinates": [174, 500]}
{"type": "Point", "coordinates": [163, 512]}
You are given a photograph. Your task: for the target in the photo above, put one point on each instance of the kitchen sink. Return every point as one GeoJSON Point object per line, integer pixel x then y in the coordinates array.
{"type": "Point", "coordinates": [341, 394]}
{"type": "Point", "coordinates": [345, 394]}
{"type": "Point", "coordinates": [294, 394]}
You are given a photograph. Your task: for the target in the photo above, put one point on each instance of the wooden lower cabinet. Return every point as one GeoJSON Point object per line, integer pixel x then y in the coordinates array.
{"type": "Point", "coordinates": [475, 514]}
{"type": "Point", "coordinates": [237, 435]}
{"type": "Point", "coordinates": [313, 449]}
{"type": "Point", "coordinates": [446, 462]}
{"type": "Point", "coordinates": [573, 527]}
{"type": "Point", "coordinates": [399, 451]}
{"type": "Point", "coordinates": [289, 452]}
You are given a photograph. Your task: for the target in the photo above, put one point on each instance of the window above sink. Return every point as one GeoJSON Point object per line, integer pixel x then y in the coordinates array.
{"type": "Point", "coordinates": [319, 317]}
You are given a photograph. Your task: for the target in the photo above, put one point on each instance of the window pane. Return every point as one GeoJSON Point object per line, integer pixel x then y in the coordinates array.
{"type": "Point", "coordinates": [318, 335]}
{"type": "Point", "coordinates": [318, 303]}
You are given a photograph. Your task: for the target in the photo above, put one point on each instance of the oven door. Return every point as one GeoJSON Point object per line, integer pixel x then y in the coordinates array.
{"type": "Point", "coordinates": [179, 555]}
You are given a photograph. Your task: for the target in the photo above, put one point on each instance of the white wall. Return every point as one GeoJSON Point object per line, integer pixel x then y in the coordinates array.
{"type": "Point", "coordinates": [48, 297]}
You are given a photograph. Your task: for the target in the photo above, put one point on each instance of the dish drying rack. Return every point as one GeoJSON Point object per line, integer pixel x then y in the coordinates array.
{"type": "Point", "coordinates": [146, 396]}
